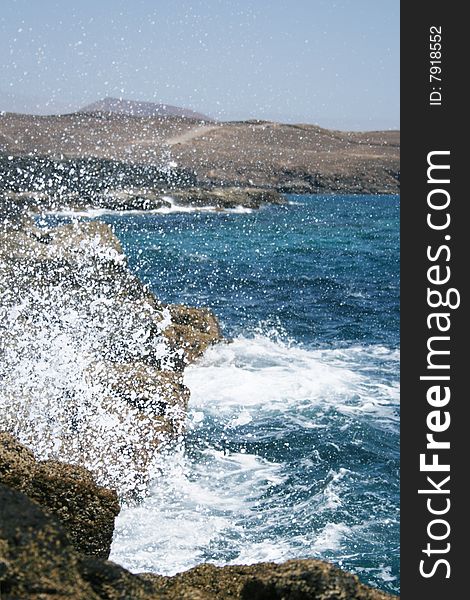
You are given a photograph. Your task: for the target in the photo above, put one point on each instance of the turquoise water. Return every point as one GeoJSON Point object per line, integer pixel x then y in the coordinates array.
{"type": "Point", "coordinates": [292, 447]}
{"type": "Point", "coordinates": [325, 269]}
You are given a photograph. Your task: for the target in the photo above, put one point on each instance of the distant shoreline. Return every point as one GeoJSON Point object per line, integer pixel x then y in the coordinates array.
{"type": "Point", "coordinates": [287, 158]}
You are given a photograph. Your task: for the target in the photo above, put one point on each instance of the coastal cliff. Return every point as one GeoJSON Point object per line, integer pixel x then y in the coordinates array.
{"type": "Point", "coordinates": [92, 368]}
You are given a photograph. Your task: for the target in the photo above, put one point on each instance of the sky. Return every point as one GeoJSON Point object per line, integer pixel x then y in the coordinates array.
{"type": "Point", "coordinates": [332, 63]}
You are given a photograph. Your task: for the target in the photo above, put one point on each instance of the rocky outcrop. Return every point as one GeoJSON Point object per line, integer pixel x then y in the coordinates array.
{"type": "Point", "coordinates": [142, 199]}
{"type": "Point", "coordinates": [227, 197]}
{"type": "Point", "coordinates": [191, 332]}
{"type": "Point", "coordinates": [92, 362]}
{"type": "Point", "coordinates": [37, 561]}
{"type": "Point", "coordinates": [293, 580]}
{"type": "Point", "coordinates": [85, 510]}
{"type": "Point", "coordinates": [49, 177]}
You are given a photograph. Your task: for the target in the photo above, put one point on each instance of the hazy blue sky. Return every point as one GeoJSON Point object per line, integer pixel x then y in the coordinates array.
{"type": "Point", "coordinates": [335, 63]}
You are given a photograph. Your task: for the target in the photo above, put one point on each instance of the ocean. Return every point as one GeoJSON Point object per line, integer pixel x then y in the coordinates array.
{"type": "Point", "coordinates": [292, 443]}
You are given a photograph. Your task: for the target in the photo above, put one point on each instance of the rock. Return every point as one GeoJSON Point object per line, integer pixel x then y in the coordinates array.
{"type": "Point", "coordinates": [38, 562]}
{"type": "Point", "coordinates": [226, 197]}
{"type": "Point", "coordinates": [293, 580]}
{"type": "Point", "coordinates": [83, 178]}
{"type": "Point", "coordinates": [144, 387]}
{"type": "Point", "coordinates": [86, 510]}
{"type": "Point", "coordinates": [192, 331]}
{"type": "Point", "coordinates": [111, 582]}
{"type": "Point", "coordinates": [17, 463]}
{"type": "Point", "coordinates": [36, 559]}
{"type": "Point", "coordinates": [147, 199]}
{"type": "Point", "coordinates": [91, 360]}
{"type": "Point", "coordinates": [131, 199]}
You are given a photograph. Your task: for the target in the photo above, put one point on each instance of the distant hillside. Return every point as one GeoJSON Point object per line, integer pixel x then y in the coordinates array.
{"type": "Point", "coordinates": [135, 108]}
{"type": "Point", "coordinates": [288, 158]}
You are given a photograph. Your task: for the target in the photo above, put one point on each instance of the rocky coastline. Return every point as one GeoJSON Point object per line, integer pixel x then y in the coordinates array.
{"type": "Point", "coordinates": [58, 504]}
{"type": "Point", "coordinates": [36, 185]}
{"type": "Point", "coordinates": [89, 334]}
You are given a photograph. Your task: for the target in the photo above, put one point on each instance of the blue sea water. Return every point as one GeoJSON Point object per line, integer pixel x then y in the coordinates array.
{"type": "Point", "coordinates": [292, 448]}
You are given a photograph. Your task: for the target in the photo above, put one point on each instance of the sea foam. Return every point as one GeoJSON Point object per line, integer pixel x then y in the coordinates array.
{"type": "Point", "coordinates": [224, 502]}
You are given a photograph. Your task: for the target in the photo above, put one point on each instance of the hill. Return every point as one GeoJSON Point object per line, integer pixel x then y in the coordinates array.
{"type": "Point", "coordinates": [290, 158]}
{"type": "Point", "coordinates": [135, 108]}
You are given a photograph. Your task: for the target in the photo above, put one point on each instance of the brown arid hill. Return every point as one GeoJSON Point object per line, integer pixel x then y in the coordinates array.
{"type": "Point", "coordinates": [289, 158]}
{"type": "Point", "coordinates": [138, 108]}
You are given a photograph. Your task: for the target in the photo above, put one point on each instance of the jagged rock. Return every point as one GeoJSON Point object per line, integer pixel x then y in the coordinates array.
{"type": "Point", "coordinates": [91, 360]}
{"type": "Point", "coordinates": [192, 331]}
{"type": "Point", "coordinates": [292, 580]}
{"type": "Point", "coordinates": [17, 463]}
{"type": "Point", "coordinates": [144, 387]}
{"type": "Point", "coordinates": [145, 199]}
{"type": "Point", "coordinates": [227, 197]}
{"type": "Point", "coordinates": [86, 510]}
{"type": "Point", "coordinates": [36, 559]}
{"type": "Point", "coordinates": [111, 582]}
{"type": "Point", "coordinates": [214, 197]}
{"type": "Point", "coordinates": [38, 562]}
{"type": "Point", "coordinates": [130, 199]}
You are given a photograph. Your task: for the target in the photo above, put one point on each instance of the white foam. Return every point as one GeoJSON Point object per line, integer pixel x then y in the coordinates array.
{"type": "Point", "coordinates": [57, 393]}
{"type": "Point", "coordinates": [191, 508]}
{"type": "Point", "coordinates": [94, 213]}
{"type": "Point", "coordinates": [225, 507]}
{"type": "Point", "coordinates": [259, 373]}
{"type": "Point", "coordinates": [265, 551]}
{"type": "Point", "coordinates": [330, 538]}
{"type": "Point", "coordinates": [330, 497]}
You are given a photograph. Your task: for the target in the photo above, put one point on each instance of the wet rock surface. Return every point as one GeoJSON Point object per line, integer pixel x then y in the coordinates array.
{"type": "Point", "coordinates": [191, 332]}
{"type": "Point", "coordinates": [118, 353]}
{"type": "Point", "coordinates": [92, 362]}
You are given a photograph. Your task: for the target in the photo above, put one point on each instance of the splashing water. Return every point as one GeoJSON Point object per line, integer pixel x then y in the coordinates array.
{"type": "Point", "coordinates": [75, 340]}
{"type": "Point", "coordinates": [264, 474]}
{"type": "Point", "coordinates": [291, 444]}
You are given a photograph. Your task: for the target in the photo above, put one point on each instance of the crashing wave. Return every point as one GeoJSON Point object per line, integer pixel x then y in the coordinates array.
{"type": "Point", "coordinates": [87, 373]}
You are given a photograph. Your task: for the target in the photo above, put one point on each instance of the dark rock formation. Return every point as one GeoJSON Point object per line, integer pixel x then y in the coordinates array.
{"type": "Point", "coordinates": [111, 582]}
{"type": "Point", "coordinates": [140, 199]}
{"type": "Point", "coordinates": [36, 559]}
{"type": "Point", "coordinates": [83, 177]}
{"type": "Point", "coordinates": [86, 510]}
{"type": "Point", "coordinates": [227, 197]}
